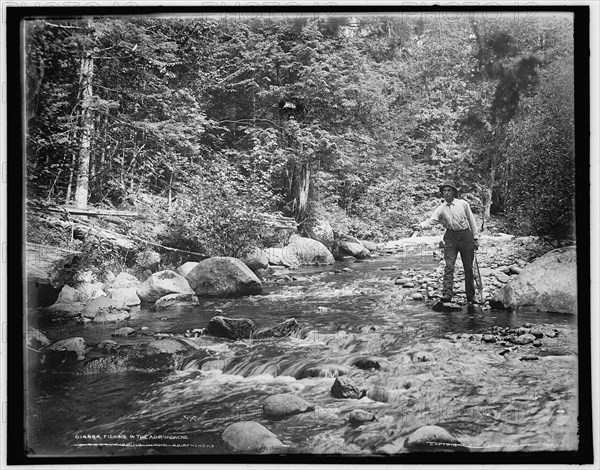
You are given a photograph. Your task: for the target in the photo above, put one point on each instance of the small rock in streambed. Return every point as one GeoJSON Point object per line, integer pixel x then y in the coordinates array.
{"type": "Point", "coordinates": [522, 339]}
{"type": "Point", "coordinates": [195, 332]}
{"type": "Point", "coordinates": [530, 357]}
{"type": "Point", "coordinates": [440, 306]}
{"type": "Point", "coordinates": [537, 333]}
{"type": "Point", "coordinates": [344, 387]}
{"type": "Point", "coordinates": [323, 370]}
{"type": "Point", "coordinates": [360, 417]}
{"type": "Point", "coordinates": [537, 343]}
{"type": "Point", "coordinates": [552, 334]}
{"type": "Point", "coordinates": [369, 363]}
{"type": "Point", "coordinates": [162, 335]}
{"type": "Point", "coordinates": [423, 356]}
{"type": "Point", "coordinates": [284, 405]}
{"type": "Point", "coordinates": [107, 344]}
{"type": "Point", "coordinates": [125, 331]}
{"type": "Point", "coordinates": [433, 438]}
{"type": "Point", "coordinates": [417, 296]}
{"type": "Point", "coordinates": [401, 281]}
{"type": "Point", "coordinates": [408, 285]}
{"type": "Point", "coordinates": [169, 346]}
{"type": "Point", "coordinates": [488, 339]}
{"type": "Point", "coordinates": [527, 325]}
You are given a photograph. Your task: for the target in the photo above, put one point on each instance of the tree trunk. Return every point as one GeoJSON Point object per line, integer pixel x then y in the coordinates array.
{"type": "Point", "coordinates": [300, 184]}
{"type": "Point", "coordinates": [87, 127]}
{"type": "Point", "coordinates": [485, 194]}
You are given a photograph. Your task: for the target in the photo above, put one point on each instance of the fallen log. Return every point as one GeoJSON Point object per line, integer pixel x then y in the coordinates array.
{"type": "Point", "coordinates": [94, 212]}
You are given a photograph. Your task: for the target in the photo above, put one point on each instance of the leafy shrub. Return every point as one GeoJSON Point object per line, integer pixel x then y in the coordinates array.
{"type": "Point", "coordinates": [540, 149]}
{"type": "Point", "coordinates": [99, 257]}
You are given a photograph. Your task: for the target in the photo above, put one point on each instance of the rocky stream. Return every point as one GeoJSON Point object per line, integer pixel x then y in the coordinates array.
{"type": "Point", "coordinates": [344, 359]}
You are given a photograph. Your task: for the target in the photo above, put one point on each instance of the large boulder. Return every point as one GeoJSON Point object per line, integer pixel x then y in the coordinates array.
{"type": "Point", "coordinates": [354, 249]}
{"type": "Point", "coordinates": [548, 284]}
{"type": "Point", "coordinates": [65, 309]}
{"type": "Point", "coordinates": [124, 288]}
{"type": "Point", "coordinates": [250, 436]}
{"type": "Point", "coordinates": [82, 292]}
{"type": "Point", "coordinates": [223, 277]}
{"type": "Point", "coordinates": [308, 251]}
{"type": "Point", "coordinates": [282, 257]}
{"type": "Point", "coordinates": [232, 328]}
{"type": "Point", "coordinates": [185, 268]}
{"type": "Point", "coordinates": [284, 405]}
{"type": "Point", "coordinates": [432, 438]}
{"type": "Point", "coordinates": [319, 230]}
{"type": "Point", "coordinates": [162, 283]}
{"type": "Point", "coordinates": [71, 300]}
{"type": "Point", "coordinates": [256, 259]}
{"type": "Point", "coordinates": [104, 305]}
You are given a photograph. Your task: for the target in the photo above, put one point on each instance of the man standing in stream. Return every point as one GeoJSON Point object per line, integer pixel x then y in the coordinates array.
{"type": "Point", "coordinates": [461, 237]}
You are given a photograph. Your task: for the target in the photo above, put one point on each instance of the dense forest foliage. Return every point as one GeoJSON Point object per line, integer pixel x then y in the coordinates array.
{"type": "Point", "coordinates": [211, 123]}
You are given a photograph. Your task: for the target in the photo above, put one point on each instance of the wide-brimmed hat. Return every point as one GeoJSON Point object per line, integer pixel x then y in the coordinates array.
{"type": "Point", "coordinates": [448, 183]}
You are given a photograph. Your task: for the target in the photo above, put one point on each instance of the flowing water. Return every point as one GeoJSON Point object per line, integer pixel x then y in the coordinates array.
{"type": "Point", "coordinates": [433, 370]}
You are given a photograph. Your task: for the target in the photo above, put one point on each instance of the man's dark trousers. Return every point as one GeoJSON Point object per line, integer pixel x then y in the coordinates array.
{"type": "Point", "coordinates": [462, 242]}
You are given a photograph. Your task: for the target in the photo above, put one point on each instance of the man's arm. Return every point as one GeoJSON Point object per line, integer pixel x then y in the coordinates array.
{"type": "Point", "coordinates": [435, 218]}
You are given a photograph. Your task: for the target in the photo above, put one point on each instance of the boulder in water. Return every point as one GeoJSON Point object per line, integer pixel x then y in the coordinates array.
{"type": "Point", "coordinates": [308, 251]}
{"type": "Point", "coordinates": [250, 436]}
{"type": "Point", "coordinates": [256, 259]}
{"type": "Point", "coordinates": [232, 328]}
{"type": "Point", "coordinates": [344, 387]}
{"type": "Point", "coordinates": [125, 331]}
{"type": "Point", "coordinates": [124, 288]}
{"type": "Point", "coordinates": [324, 370]}
{"type": "Point", "coordinates": [522, 339]}
{"type": "Point", "coordinates": [360, 417]}
{"type": "Point", "coordinates": [284, 405]}
{"type": "Point", "coordinates": [282, 257]}
{"type": "Point", "coordinates": [111, 317]}
{"type": "Point", "coordinates": [223, 276]}
{"type": "Point", "coordinates": [163, 283]}
{"type": "Point", "coordinates": [354, 249]}
{"type": "Point", "coordinates": [548, 284]}
{"type": "Point", "coordinates": [104, 305]}
{"type": "Point", "coordinates": [168, 345]}
{"type": "Point", "coordinates": [173, 301]}
{"type": "Point", "coordinates": [286, 328]}
{"type": "Point", "coordinates": [432, 438]}
{"type": "Point", "coordinates": [76, 345]}
{"type": "Point", "coordinates": [368, 363]}
{"type": "Point", "coordinates": [36, 339]}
